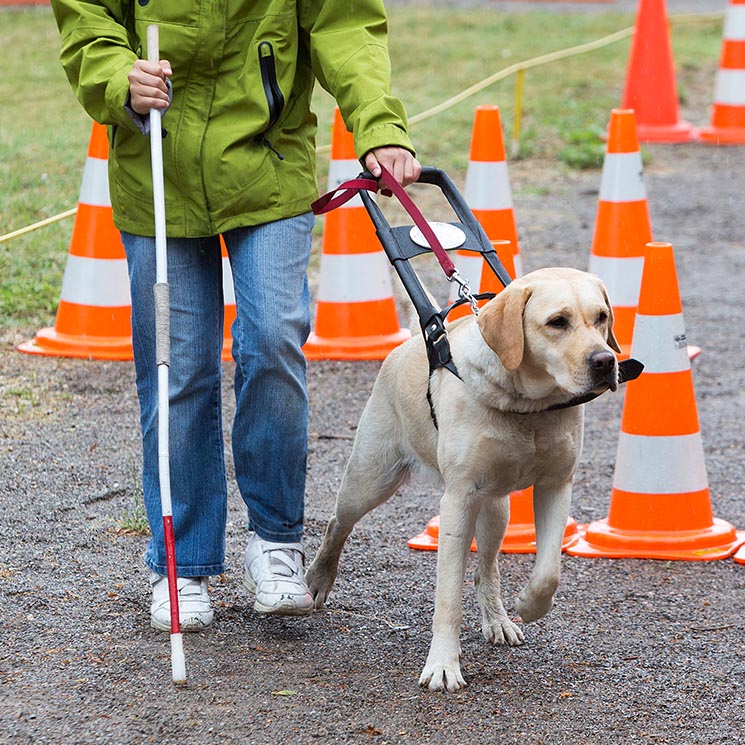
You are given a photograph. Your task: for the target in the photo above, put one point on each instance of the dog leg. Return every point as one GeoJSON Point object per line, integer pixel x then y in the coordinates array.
{"type": "Point", "coordinates": [457, 521]}
{"type": "Point", "coordinates": [491, 525]}
{"type": "Point", "coordinates": [551, 509]}
{"type": "Point", "coordinates": [372, 476]}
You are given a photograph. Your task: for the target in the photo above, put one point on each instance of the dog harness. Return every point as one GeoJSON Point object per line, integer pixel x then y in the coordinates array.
{"type": "Point", "coordinates": [400, 246]}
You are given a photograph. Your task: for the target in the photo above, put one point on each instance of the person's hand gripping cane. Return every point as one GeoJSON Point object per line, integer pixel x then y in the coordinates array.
{"type": "Point", "coordinates": [148, 88]}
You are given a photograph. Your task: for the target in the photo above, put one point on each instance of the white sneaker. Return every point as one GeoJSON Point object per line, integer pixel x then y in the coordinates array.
{"type": "Point", "coordinates": [274, 571]}
{"type": "Point", "coordinates": [195, 609]}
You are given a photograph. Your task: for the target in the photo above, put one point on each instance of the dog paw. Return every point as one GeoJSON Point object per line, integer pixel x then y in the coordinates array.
{"type": "Point", "coordinates": [442, 669]}
{"type": "Point", "coordinates": [532, 605]}
{"type": "Point", "coordinates": [503, 631]}
{"type": "Point", "coordinates": [442, 676]}
{"type": "Point", "coordinates": [319, 585]}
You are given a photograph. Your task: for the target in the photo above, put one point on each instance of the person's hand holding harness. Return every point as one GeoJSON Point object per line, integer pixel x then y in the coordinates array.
{"type": "Point", "coordinates": [403, 166]}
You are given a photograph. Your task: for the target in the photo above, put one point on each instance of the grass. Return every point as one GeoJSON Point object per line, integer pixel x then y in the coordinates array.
{"type": "Point", "coordinates": [43, 144]}
{"type": "Point", "coordinates": [134, 522]}
{"type": "Point", "coordinates": [19, 400]}
{"type": "Point", "coordinates": [436, 53]}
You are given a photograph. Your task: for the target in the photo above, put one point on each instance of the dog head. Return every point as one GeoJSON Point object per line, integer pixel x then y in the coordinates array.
{"type": "Point", "coordinates": [552, 330]}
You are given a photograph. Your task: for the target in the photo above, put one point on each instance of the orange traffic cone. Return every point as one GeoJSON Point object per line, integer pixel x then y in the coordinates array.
{"type": "Point", "coordinates": [356, 316]}
{"type": "Point", "coordinates": [650, 79]}
{"type": "Point", "coordinates": [622, 225]}
{"type": "Point", "coordinates": [740, 555]}
{"type": "Point", "coordinates": [94, 313]}
{"type": "Point", "coordinates": [660, 503]}
{"type": "Point", "coordinates": [519, 537]}
{"type": "Point", "coordinates": [428, 539]}
{"type": "Point", "coordinates": [93, 316]}
{"type": "Point", "coordinates": [488, 194]}
{"type": "Point", "coordinates": [727, 125]}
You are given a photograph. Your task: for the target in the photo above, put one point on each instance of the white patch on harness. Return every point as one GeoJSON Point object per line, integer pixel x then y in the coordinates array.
{"type": "Point", "coordinates": [450, 236]}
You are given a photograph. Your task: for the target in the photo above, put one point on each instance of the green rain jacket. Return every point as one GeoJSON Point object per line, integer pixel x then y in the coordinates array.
{"type": "Point", "coordinates": [240, 143]}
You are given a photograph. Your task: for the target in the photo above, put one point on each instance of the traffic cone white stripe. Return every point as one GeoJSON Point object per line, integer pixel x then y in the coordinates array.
{"type": "Point", "coordinates": [661, 342]}
{"type": "Point", "coordinates": [96, 282]}
{"type": "Point", "coordinates": [622, 277]}
{"type": "Point", "coordinates": [660, 464]}
{"type": "Point", "coordinates": [94, 189]}
{"type": "Point", "coordinates": [734, 23]}
{"type": "Point", "coordinates": [354, 278]}
{"type": "Point", "coordinates": [228, 291]}
{"type": "Point", "coordinates": [488, 186]}
{"type": "Point", "coordinates": [622, 178]}
{"type": "Point", "coordinates": [729, 88]}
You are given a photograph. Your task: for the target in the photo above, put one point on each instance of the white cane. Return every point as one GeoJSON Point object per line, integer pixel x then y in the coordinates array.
{"type": "Point", "coordinates": [163, 360]}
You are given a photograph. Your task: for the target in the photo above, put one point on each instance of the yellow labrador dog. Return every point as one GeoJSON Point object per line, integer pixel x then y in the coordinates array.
{"type": "Point", "coordinates": [546, 339]}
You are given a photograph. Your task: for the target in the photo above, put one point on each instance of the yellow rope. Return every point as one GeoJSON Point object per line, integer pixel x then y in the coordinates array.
{"type": "Point", "coordinates": [520, 67]}
{"type": "Point", "coordinates": [517, 67]}
{"type": "Point", "coordinates": [37, 225]}
{"type": "Point", "coordinates": [511, 70]}
{"type": "Point", "coordinates": [544, 60]}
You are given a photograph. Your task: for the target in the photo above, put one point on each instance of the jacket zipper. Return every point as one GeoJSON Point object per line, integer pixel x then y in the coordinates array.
{"type": "Point", "coordinates": [274, 97]}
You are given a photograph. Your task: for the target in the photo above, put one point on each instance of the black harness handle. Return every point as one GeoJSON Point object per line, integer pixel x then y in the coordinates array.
{"type": "Point", "coordinates": [399, 246]}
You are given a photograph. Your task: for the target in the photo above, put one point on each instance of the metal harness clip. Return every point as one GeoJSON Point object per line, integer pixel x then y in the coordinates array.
{"type": "Point", "coordinates": [464, 291]}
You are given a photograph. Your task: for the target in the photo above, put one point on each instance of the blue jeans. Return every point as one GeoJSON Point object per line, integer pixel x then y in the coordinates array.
{"type": "Point", "coordinates": [269, 436]}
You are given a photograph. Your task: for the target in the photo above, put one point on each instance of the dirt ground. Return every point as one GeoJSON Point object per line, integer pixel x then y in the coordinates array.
{"type": "Point", "coordinates": [634, 651]}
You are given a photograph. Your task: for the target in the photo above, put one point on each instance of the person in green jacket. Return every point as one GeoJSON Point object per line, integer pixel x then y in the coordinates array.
{"type": "Point", "coordinates": [235, 82]}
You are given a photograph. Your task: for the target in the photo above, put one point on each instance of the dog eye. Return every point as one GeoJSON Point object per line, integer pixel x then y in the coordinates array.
{"type": "Point", "coordinates": [602, 318]}
{"type": "Point", "coordinates": [559, 322]}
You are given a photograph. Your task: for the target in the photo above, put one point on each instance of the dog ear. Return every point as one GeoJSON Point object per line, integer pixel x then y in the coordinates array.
{"type": "Point", "coordinates": [501, 324]}
{"type": "Point", "coordinates": [612, 342]}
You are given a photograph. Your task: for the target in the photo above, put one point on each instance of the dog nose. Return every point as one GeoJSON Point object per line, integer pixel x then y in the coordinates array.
{"type": "Point", "coordinates": [602, 362]}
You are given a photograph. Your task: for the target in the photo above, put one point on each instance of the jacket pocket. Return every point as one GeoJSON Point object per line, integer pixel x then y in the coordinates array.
{"type": "Point", "coordinates": [272, 91]}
